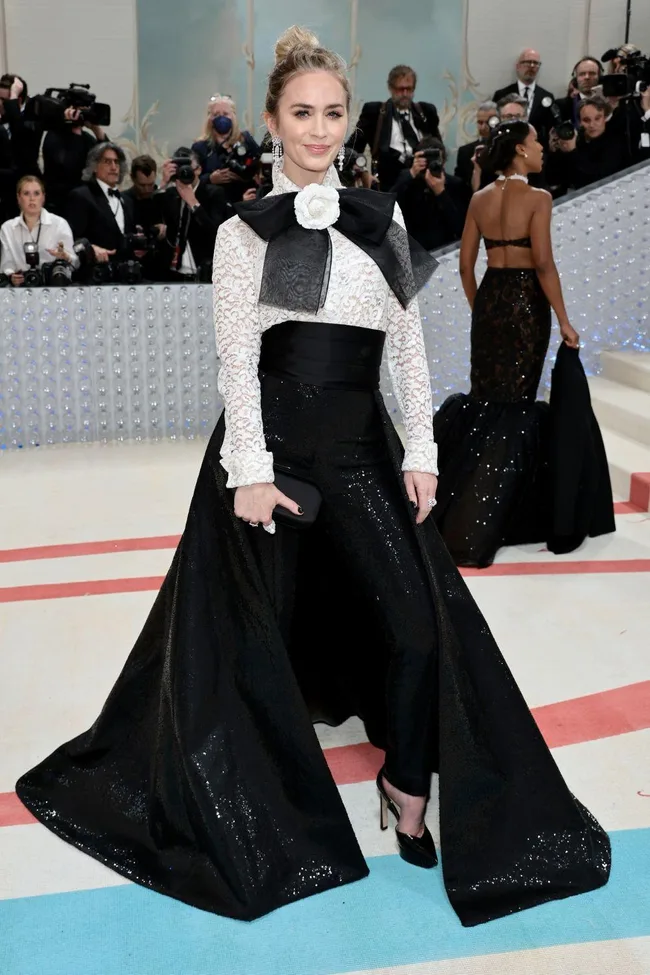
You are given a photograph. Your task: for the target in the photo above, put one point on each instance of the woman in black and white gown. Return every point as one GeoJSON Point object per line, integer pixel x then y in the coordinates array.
{"type": "Point", "coordinates": [203, 778]}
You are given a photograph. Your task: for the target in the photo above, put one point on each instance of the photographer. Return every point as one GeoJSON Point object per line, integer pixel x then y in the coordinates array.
{"type": "Point", "coordinates": [434, 203]}
{"type": "Point", "coordinates": [144, 199]}
{"type": "Point", "coordinates": [73, 132]}
{"type": "Point", "coordinates": [25, 135]}
{"type": "Point", "coordinates": [97, 210]}
{"type": "Point", "coordinates": [36, 238]}
{"type": "Point", "coordinates": [228, 156]}
{"type": "Point", "coordinates": [354, 172]}
{"type": "Point", "coordinates": [393, 129]}
{"type": "Point", "coordinates": [192, 212]}
{"type": "Point", "coordinates": [627, 88]}
{"type": "Point", "coordinates": [596, 151]}
{"type": "Point", "coordinates": [587, 75]}
{"type": "Point", "coordinates": [467, 166]}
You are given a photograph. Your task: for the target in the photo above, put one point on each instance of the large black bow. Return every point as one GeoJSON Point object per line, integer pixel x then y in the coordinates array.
{"type": "Point", "coordinates": [297, 264]}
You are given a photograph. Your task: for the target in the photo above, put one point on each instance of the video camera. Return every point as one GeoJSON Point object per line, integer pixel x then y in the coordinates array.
{"type": "Point", "coordinates": [49, 107]}
{"type": "Point", "coordinates": [633, 81]}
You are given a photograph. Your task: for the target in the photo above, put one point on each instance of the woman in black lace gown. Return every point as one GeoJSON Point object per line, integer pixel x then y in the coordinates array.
{"type": "Point", "coordinates": [493, 489]}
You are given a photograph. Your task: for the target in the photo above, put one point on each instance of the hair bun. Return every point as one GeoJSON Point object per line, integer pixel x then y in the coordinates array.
{"type": "Point", "coordinates": [292, 39]}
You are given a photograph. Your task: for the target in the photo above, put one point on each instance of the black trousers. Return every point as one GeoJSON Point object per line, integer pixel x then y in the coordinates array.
{"type": "Point", "coordinates": [335, 439]}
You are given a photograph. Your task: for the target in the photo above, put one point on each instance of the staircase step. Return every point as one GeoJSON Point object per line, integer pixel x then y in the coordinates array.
{"type": "Point", "coordinates": [623, 409]}
{"type": "Point", "coordinates": [629, 464]}
{"type": "Point", "coordinates": [628, 368]}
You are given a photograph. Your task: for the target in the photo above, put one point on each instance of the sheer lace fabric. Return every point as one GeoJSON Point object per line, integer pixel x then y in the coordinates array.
{"type": "Point", "coordinates": [358, 295]}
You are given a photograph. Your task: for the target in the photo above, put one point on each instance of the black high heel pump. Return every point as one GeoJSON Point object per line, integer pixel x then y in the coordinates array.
{"type": "Point", "coordinates": [418, 850]}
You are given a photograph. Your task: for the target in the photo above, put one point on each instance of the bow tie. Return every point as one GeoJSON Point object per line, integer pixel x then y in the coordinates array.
{"type": "Point", "coordinates": [298, 260]}
{"type": "Point", "coordinates": [115, 193]}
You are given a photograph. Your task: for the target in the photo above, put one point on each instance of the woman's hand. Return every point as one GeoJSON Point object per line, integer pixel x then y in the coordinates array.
{"type": "Point", "coordinates": [421, 489]}
{"type": "Point", "coordinates": [221, 176]}
{"type": "Point", "coordinates": [17, 279]}
{"type": "Point", "coordinates": [255, 503]}
{"type": "Point", "coordinates": [570, 336]}
{"type": "Point", "coordinates": [60, 252]}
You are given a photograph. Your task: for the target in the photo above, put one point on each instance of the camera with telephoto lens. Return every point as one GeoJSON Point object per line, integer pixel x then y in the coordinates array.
{"type": "Point", "coordinates": [184, 170]}
{"type": "Point", "coordinates": [632, 81]}
{"type": "Point", "coordinates": [435, 160]}
{"type": "Point", "coordinates": [141, 241]}
{"type": "Point", "coordinates": [563, 129]}
{"type": "Point", "coordinates": [241, 161]}
{"type": "Point", "coordinates": [49, 107]}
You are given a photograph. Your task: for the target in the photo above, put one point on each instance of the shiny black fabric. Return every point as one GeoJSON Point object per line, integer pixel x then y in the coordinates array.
{"type": "Point", "coordinates": [493, 443]}
{"type": "Point", "coordinates": [203, 779]}
{"type": "Point", "coordinates": [580, 487]}
{"type": "Point", "coordinates": [298, 261]}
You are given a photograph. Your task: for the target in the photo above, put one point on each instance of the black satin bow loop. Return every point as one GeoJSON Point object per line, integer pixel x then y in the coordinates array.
{"type": "Point", "coordinates": [298, 260]}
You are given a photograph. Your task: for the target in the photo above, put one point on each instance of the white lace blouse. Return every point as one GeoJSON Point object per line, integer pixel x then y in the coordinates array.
{"type": "Point", "coordinates": [358, 295]}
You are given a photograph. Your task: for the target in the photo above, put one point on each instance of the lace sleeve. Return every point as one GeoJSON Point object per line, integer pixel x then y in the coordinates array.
{"type": "Point", "coordinates": [409, 372]}
{"type": "Point", "coordinates": [244, 455]}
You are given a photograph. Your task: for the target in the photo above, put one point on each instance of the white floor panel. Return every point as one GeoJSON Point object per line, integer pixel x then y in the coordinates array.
{"type": "Point", "coordinates": [35, 861]}
{"type": "Point", "coordinates": [567, 636]}
{"type": "Point", "coordinates": [626, 957]}
{"type": "Point", "coordinates": [84, 568]}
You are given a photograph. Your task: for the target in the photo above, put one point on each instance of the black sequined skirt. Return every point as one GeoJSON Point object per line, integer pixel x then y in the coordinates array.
{"type": "Point", "coordinates": [493, 443]}
{"type": "Point", "coordinates": [203, 778]}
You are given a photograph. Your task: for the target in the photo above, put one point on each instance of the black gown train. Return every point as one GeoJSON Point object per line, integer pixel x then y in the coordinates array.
{"type": "Point", "coordinates": [510, 474]}
{"type": "Point", "coordinates": [203, 778]}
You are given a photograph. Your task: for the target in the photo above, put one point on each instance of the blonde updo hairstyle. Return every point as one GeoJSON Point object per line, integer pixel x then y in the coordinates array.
{"type": "Point", "coordinates": [298, 51]}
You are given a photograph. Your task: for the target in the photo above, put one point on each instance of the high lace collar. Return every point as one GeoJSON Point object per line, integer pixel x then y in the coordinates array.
{"type": "Point", "coordinates": [282, 183]}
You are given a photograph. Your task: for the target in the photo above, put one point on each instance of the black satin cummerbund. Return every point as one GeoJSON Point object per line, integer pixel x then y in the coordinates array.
{"type": "Point", "coordinates": [323, 354]}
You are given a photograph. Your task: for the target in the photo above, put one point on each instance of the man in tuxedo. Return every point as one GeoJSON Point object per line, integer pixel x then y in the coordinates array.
{"type": "Point", "coordinates": [394, 128]}
{"type": "Point", "coordinates": [526, 86]}
{"type": "Point", "coordinates": [587, 75]}
{"type": "Point", "coordinates": [192, 214]}
{"type": "Point", "coordinates": [97, 210]}
{"type": "Point", "coordinates": [467, 167]}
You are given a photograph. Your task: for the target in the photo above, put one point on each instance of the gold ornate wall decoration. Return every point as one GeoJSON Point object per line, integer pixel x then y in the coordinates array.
{"type": "Point", "coordinates": [355, 57]}
{"type": "Point", "coordinates": [248, 52]}
{"type": "Point", "coordinates": [467, 112]}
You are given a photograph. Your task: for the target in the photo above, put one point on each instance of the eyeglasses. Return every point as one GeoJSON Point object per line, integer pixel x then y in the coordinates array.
{"type": "Point", "coordinates": [532, 64]}
{"type": "Point", "coordinates": [404, 89]}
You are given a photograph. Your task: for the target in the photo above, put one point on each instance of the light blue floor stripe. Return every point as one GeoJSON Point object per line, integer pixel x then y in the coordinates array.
{"type": "Point", "coordinates": [399, 915]}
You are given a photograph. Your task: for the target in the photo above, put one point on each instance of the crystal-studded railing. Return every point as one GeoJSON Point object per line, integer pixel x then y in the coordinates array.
{"type": "Point", "coordinates": [111, 363]}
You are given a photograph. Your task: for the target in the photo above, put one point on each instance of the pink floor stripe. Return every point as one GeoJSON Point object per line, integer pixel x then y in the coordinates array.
{"type": "Point", "coordinates": [103, 587]}
{"type": "Point", "coordinates": [603, 715]}
{"type": "Point", "coordinates": [73, 549]}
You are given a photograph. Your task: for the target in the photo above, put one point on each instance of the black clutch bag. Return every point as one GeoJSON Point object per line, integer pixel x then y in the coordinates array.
{"type": "Point", "coordinates": [303, 493]}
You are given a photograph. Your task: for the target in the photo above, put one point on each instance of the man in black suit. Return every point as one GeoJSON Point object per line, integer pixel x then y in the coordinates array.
{"type": "Point", "coordinates": [587, 75]}
{"type": "Point", "coordinates": [97, 210]}
{"type": "Point", "coordinates": [467, 167]}
{"type": "Point", "coordinates": [192, 213]}
{"type": "Point", "coordinates": [526, 86]}
{"type": "Point", "coordinates": [394, 128]}
{"type": "Point", "coordinates": [434, 203]}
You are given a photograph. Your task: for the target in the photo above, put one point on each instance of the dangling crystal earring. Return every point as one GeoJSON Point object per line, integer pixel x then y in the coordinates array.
{"type": "Point", "coordinates": [341, 157]}
{"type": "Point", "coordinates": [276, 144]}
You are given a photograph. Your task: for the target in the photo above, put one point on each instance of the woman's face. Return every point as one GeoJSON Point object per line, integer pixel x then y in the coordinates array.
{"type": "Point", "coordinates": [312, 122]}
{"type": "Point", "coordinates": [31, 199]}
{"type": "Point", "coordinates": [593, 121]}
{"type": "Point", "coordinates": [223, 108]}
{"type": "Point", "coordinates": [534, 158]}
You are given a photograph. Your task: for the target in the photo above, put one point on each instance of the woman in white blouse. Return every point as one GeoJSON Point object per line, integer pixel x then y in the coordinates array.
{"type": "Point", "coordinates": [203, 778]}
{"type": "Point", "coordinates": [51, 233]}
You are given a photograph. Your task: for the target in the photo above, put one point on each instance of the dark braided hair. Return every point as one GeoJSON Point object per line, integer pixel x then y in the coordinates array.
{"type": "Point", "coordinates": [502, 145]}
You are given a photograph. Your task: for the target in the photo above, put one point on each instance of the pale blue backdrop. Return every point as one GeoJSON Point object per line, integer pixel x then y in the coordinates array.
{"type": "Point", "coordinates": [189, 49]}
